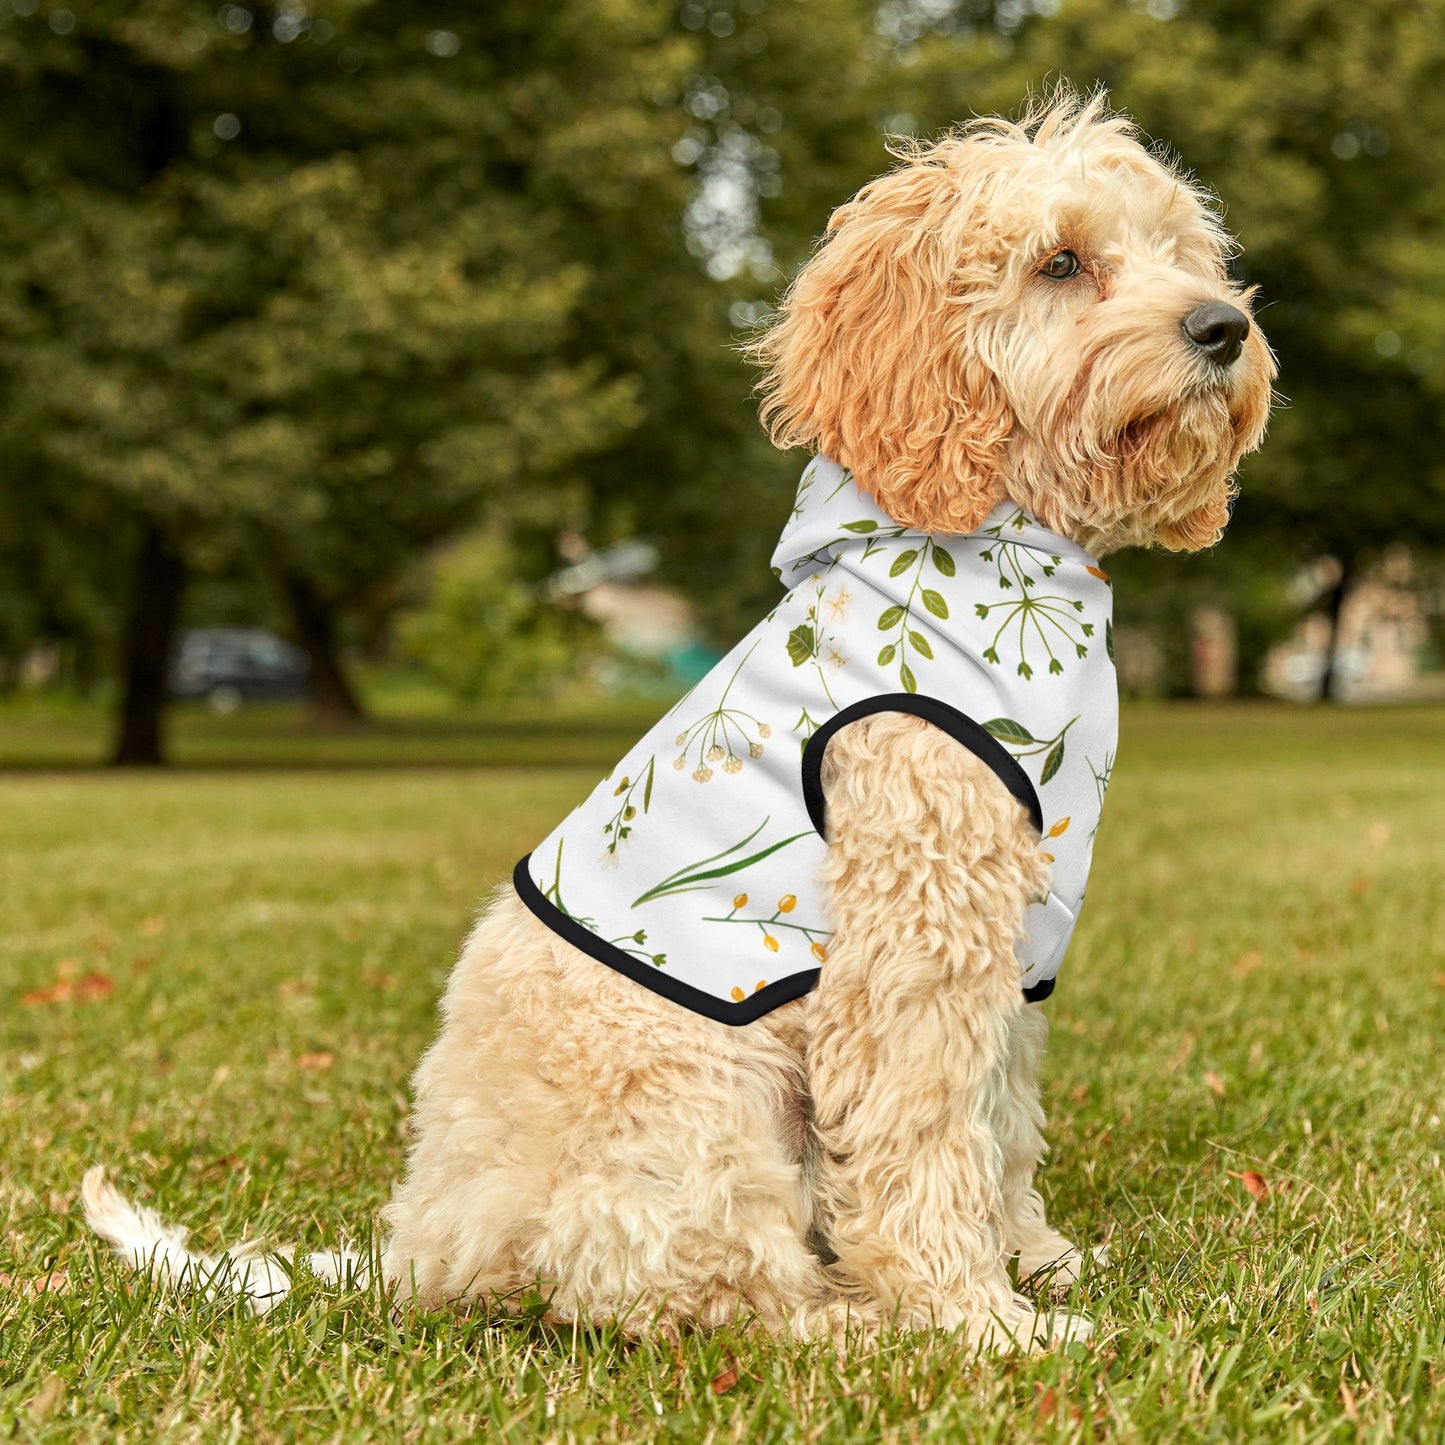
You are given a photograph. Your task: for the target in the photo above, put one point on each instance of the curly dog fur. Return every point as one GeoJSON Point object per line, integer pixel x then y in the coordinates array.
{"type": "Point", "coordinates": [863, 1156]}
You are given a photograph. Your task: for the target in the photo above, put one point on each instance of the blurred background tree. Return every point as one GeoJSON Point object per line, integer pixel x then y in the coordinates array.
{"type": "Point", "coordinates": [292, 294]}
{"type": "Point", "coordinates": [307, 290]}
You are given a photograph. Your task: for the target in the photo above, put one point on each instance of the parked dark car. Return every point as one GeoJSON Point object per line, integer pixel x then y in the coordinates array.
{"type": "Point", "coordinates": [230, 665]}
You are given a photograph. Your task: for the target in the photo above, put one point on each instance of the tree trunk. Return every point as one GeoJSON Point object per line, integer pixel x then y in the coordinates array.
{"type": "Point", "coordinates": [160, 578]}
{"type": "Point", "coordinates": [333, 699]}
{"type": "Point", "coordinates": [1329, 677]}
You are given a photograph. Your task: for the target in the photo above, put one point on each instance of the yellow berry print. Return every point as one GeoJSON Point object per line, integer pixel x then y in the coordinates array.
{"type": "Point", "coordinates": [1059, 828]}
{"type": "Point", "coordinates": [738, 994]}
{"type": "Point", "coordinates": [770, 927]}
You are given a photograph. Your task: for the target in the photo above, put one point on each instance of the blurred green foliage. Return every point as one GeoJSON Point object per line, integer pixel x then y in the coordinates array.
{"type": "Point", "coordinates": [305, 290]}
{"type": "Point", "coordinates": [480, 631]}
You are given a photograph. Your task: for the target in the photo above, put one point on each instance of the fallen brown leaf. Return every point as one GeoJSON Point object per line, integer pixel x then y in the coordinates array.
{"type": "Point", "coordinates": [1079, 1094]}
{"type": "Point", "coordinates": [1360, 885]}
{"type": "Point", "coordinates": [1248, 962]}
{"type": "Point", "coordinates": [81, 990]}
{"type": "Point", "coordinates": [321, 1059]}
{"type": "Point", "coordinates": [723, 1382]}
{"type": "Point", "coordinates": [1255, 1184]}
{"type": "Point", "coordinates": [1046, 1407]}
{"type": "Point", "coordinates": [56, 1282]}
{"type": "Point", "coordinates": [1440, 980]}
{"type": "Point", "coordinates": [1214, 1083]}
{"type": "Point", "coordinates": [377, 978]}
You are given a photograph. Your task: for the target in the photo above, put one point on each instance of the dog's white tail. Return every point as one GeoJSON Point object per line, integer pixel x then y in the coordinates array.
{"type": "Point", "coordinates": [147, 1243]}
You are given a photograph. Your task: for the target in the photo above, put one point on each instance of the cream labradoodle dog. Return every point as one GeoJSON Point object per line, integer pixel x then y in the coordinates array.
{"type": "Point", "coordinates": [1015, 352]}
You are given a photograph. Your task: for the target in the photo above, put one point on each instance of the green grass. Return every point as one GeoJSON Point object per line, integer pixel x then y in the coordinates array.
{"type": "Point", "coordinates": [1256, 985]}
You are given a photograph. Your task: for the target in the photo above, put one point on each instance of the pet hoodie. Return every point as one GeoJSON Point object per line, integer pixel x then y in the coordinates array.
{"type": "Point", "coordinates": [693, 868]}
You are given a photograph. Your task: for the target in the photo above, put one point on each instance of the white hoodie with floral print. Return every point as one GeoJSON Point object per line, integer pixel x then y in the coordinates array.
{"type": "Point", "coordinates": [693, 868]}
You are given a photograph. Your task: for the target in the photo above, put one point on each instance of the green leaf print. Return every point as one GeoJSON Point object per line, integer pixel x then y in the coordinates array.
{"type": "Point", "coordinates": [902, 617]}
{"type": "Point", "coordinates": [863, 528]}
{"type": "Point", "coordinates": [1023, 744]}
{"type": "Point", "coordinates": [802, 644]}
{"type": "Point", "coordinates": [1109, 639]}
{"type": "Point", "coordinates": [693, 876]}
{"type": "Point", "coordinates": [1005, 729]}
{"type": "Point", "coordinates": [1053, 762]}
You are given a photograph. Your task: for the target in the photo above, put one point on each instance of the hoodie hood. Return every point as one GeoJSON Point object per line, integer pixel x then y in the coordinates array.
{"type": "Point", "coordinates": [832, 516]}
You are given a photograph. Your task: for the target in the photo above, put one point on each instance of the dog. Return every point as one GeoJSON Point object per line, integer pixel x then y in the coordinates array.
{"type": "Point", "coordinates": [1025, 324]}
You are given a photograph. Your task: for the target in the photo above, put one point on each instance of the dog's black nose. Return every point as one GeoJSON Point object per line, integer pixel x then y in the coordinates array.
{"type": "Point", "coordinates": [1218, 330]}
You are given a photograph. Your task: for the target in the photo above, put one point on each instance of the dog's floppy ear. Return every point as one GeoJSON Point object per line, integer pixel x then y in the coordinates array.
{"type": "Point", "coordinates": [872, 359]}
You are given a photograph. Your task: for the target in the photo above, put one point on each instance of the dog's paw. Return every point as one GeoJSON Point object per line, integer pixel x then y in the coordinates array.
{"type": "Point", "coordinates": [1058, 1270]}
{"type": "Point", "coordinates": [1023, 1326]}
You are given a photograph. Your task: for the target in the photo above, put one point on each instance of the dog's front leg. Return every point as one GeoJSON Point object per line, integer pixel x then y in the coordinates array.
{"type": "Point", "coordinates": [1042, 1251]}
{"type": "Point", "coordinates": [931, 866]}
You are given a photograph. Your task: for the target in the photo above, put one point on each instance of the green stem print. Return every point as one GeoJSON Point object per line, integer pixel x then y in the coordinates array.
{"type": "Point", "coordinates": [694, 876]}
{"type": "Point", "coordinates": [812, 642]}
{"type": "Point", "coordinates": [632, 943]}
{"type": "Point", "coordinates": [1023, 744]}
{"type": "Point", "coordinates": [1101, 785]}
{"type": "Point", "coordinates": [825, 555]}
{"type": "Point", "coordinates": [723, 735]}
{"type": "Point", "coordinates": [618, 828]}
{"type": "Point", "coordinates": [816, 938]}
{"type": "Point", "coordinates": [806, 726]}
{"type": "Point", "coordinates": [1050, 618]}
{"type": "Point", "coordinates": [553, 891]}
{"type": "Point", "coordinates": [899, 618]}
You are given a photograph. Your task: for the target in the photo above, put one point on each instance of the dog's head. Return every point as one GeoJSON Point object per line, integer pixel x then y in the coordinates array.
{"type": "Point", "coordinates": [1036, 310]}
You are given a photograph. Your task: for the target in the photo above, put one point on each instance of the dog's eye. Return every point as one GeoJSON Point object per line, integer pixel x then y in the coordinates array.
{"type": "Point", "coordinates": [1060, 266]}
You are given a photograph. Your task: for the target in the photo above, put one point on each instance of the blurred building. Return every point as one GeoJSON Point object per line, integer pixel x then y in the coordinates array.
{"type": "Point", "coordinates": [1382, 650]}
{"type": "Point", "coordinates": [653, 629]}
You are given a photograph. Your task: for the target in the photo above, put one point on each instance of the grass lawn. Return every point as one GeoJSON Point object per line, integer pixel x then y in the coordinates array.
{"type": "Point", "coordinates": [217, 980]}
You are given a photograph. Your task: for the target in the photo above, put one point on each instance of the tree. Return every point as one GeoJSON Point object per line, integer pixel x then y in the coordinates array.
{"type": "Point", "coordinates": [293, 284]}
